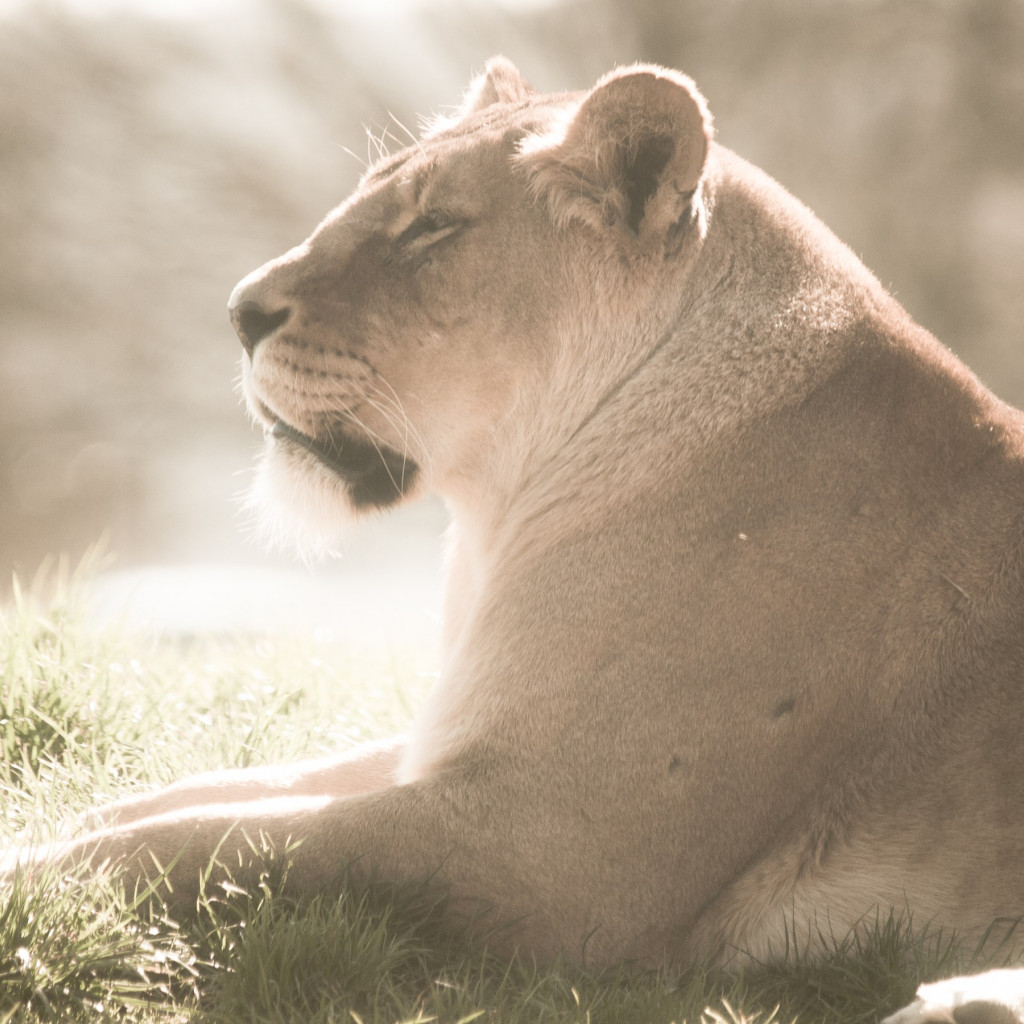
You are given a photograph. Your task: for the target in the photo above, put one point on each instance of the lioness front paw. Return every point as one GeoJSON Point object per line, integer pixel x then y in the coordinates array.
{"type": "Point", "coordinates": [995, 997]}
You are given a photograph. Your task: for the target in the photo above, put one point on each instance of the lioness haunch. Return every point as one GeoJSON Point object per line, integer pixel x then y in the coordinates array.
{"type": "Point", "coordinates": [733, 642]}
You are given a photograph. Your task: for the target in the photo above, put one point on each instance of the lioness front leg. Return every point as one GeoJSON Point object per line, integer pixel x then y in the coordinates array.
{"type": "Point", "coordinates": [433, 829]}
{"type": "Point", "coordinates": [363, 770]}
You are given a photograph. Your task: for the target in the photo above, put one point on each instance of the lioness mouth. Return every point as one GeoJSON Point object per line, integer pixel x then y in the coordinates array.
{"type": "Point", "coordinates": [375, 474]}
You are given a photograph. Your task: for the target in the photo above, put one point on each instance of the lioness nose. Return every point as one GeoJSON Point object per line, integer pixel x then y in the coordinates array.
{"type": "Point", "coordinates": [253, 323]}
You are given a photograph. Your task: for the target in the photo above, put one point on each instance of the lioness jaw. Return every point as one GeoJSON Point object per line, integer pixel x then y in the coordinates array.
{"type": "Point", "coordinates": [734, 628]}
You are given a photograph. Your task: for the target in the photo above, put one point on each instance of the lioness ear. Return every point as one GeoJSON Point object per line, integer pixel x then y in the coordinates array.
{"type": "Point", "coordinates": [500, 83]}
{"type": "Point", "coordinates": [631, 156]}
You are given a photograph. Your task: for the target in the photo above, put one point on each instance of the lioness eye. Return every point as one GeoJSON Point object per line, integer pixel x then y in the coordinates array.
{"type": "Point", "coordinates": [428, 224]}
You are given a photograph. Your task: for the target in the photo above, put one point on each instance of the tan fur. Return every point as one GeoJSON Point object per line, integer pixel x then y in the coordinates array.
{"type": "Point", "coordinates": [734, 626]}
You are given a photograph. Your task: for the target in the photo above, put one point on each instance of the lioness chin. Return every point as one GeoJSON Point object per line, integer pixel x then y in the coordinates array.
{"type": "Point", "coordinates": [733, 644]}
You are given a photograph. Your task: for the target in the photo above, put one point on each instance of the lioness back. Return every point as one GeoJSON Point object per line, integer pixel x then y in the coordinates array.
{"type": "Point", "coordinates": [734, 622]}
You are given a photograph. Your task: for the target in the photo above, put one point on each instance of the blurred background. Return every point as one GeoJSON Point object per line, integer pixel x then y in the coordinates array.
{"type": "Point", "coordinates": [152, 153]}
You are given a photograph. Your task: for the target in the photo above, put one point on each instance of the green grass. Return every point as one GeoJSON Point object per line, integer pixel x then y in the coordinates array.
{"type": "Point", "coordinates": [86, 716]}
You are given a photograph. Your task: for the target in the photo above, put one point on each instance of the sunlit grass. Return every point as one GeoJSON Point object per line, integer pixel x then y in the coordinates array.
{"type": "Point", "coordinates": [86, 716]}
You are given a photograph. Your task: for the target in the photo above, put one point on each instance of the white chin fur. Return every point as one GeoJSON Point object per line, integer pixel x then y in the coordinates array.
{"type": "Point", "coordinates": [299, 503]}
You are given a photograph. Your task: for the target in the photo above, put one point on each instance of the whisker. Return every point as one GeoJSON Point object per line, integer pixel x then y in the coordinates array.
{"type": "Point", "coordinates": [387, 133]}
{"type": "Point", "coordinates": [382, 411]}
{"type": "Point", "coordinates": [373, 438]}
{"type": "Point", "coordinates": [364, 386]}
{"type": "Point", "coordinates": [355, 156]}
{"type": "Point", "coordinates": [378, 144]}
{"type": "Point", "coordinates": [389, 406]}
{"type": "Point", "coordinates": [423, 455]}
{"type": "Point", "coordinates": [333, 405]}
{"type": "Point", "coordinates": [414, 139]}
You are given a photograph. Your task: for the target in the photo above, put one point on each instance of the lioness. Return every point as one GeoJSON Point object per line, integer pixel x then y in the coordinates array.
{"type": "Point", "coordinates": [733, 642]}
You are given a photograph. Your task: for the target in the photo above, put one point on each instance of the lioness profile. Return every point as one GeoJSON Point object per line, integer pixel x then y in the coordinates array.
{"type": "Point", "coordinates": [733, 638]}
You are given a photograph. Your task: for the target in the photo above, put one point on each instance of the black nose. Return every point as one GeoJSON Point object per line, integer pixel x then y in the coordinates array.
{"type": "Point", "coordinates": [253, 323]}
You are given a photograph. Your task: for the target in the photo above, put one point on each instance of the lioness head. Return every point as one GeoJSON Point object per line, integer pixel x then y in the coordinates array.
{"type": "Point", "coordinates": [465, 310]}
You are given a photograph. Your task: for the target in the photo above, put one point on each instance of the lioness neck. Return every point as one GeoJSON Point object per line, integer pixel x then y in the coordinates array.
{"type": "Point", "coordinates": [738, 335]}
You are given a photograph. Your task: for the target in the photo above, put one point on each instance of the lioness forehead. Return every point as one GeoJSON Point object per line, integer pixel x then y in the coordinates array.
{"type": "Point", "coordinates": [501, 126]}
